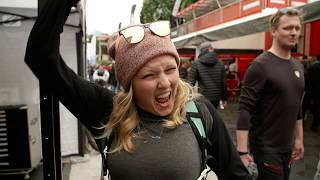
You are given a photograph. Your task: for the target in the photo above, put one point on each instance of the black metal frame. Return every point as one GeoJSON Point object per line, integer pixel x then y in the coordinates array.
{"type": "Point", "coordinates": [50, 134]}
{"type": "Point", "coordinates": [81, 72]}
{"type": "Point", "coordinates": [50, 119]}
{"type": "Point", "coordinates": [50, 131]}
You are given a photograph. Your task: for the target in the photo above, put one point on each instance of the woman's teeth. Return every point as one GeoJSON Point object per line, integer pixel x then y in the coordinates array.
{"type": "Point", "coordinates": [163, 97]}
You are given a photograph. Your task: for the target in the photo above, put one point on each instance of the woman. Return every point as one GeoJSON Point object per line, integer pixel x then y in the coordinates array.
{"type": "Point", "coordinates": [152, 139]}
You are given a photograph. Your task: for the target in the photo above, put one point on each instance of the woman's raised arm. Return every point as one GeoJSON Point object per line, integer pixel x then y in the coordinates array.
{"type": "Point", "coordinates": [87, 101]}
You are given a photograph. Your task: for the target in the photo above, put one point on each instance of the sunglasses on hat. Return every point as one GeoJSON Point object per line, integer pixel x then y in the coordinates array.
{"type": "Point", "coordinates": [135, 33]}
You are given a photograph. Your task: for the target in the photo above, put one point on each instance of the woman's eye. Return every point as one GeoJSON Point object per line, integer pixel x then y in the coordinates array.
{"type": "Point", "coordinates": [171, 69]}
{"type": "Point", "coordinates": [147, 76]}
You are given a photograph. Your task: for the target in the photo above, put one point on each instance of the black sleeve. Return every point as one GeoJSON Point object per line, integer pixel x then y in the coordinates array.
{"type": "Point", "coordinates": [252, 86]}
{"type": "Point", "coordinates": [87, 101]}
{"type": "Point", "coordinates": [193, 74]}
{"type": "Point", "coordinates": [228, 165]}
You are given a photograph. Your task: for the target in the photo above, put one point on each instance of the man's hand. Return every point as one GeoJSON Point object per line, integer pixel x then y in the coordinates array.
{"type": "Point", "coordinates": [246, 159]}
{"type": "Point", "coordinates": [298, 151]}
{"type": "Point", "coordinates": [225, 103]}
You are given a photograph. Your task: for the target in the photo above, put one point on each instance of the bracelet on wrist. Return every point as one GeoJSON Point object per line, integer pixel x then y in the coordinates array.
{"type": "Point", "coordinates": [243, 153]}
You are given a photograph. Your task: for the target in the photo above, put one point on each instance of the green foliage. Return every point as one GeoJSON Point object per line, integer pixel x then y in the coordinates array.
{"type": "Point", "coordinates": [154, 10]}
{"type": "Point", "coordinates": [186, 3]}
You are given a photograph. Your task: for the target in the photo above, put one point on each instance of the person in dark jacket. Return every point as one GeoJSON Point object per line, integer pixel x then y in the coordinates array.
{"type": "Point", "coordinates": [313, 90]}
{"type": "Point", "coordinates": [147, 118]}
{"type": "Point", "coordinates": [183, 72]}
{"type": "Point", "coordinates": [210, 74]}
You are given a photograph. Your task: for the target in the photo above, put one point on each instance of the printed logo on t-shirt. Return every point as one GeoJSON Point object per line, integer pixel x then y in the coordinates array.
{"type": "Point", "coordinates": [297, 73]}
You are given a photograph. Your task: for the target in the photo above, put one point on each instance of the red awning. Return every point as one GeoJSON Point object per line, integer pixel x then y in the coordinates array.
{"type": "Point", "coordinates": [202, 7]}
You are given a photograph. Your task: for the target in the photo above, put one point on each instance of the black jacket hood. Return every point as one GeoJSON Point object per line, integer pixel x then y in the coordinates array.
{"type": "Point", "coordinates": [209, 58]}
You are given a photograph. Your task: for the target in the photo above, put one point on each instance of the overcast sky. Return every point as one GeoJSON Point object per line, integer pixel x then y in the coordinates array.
{"type": "Point", "coordinates": [105, 15]}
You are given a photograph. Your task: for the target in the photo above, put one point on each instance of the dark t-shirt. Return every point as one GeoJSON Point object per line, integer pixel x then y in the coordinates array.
{"type": "Point", "coordinates": [270, 102]}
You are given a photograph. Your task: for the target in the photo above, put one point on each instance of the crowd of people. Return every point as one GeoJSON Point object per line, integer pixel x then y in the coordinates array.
{"type": "Point", "coordinates": [144, 124]}
{"type": "Point", "coordinates": [103, 75]}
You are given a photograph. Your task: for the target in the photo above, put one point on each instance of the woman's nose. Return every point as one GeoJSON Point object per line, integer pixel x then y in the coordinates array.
{"type": "Point", "coordinates": [163, 81]}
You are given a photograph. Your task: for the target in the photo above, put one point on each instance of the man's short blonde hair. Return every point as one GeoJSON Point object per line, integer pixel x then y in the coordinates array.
{"type": "Point", "coordinates": [275, 19]}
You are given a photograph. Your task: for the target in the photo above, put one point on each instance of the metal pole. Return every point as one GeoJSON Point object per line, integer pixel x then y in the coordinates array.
{"type": "Point", "coordinates": [218, 4]}
{"type": "Point", "coordinates": [119, 26]}
{"type": "Point", "coordinates": [50, 130]}
{"type": "Point", "coordinates": [133, 8]}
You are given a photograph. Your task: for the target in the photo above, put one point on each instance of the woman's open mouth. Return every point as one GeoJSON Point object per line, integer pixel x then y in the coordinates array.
{"type": "Point", "coordinates": [163, 99]}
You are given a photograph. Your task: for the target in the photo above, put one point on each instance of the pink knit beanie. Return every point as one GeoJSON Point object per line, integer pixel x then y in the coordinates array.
{"type": "Point", "coordinates": [129, 58]}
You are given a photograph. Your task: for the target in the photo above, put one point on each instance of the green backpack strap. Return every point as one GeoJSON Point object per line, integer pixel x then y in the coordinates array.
{"type": "Point", "coordinates": [197, 125]}
{"type": "Point", "coordinates": [195, 118]}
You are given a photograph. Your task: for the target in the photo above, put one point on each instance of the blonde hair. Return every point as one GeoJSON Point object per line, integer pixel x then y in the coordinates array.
{"type": "Point", "coordinates": [274, 21]}
{"type": "Point", "coordinates": [125, 121]}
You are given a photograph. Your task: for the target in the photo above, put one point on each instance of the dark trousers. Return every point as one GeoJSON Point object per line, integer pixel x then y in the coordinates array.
{"type": "Point", "coordinates": [273, 166]}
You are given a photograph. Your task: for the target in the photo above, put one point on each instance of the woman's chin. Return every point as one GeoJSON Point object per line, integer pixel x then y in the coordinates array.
{"type": "Point", "coordinates": [164, 109]}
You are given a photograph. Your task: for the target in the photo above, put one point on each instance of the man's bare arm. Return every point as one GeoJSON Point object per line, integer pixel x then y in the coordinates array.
{"type": "Point", "coordinates": [242, 147]}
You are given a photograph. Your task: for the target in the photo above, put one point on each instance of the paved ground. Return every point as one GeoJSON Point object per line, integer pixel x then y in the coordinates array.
{"type": "Point", "coordinates": [302, 170]}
